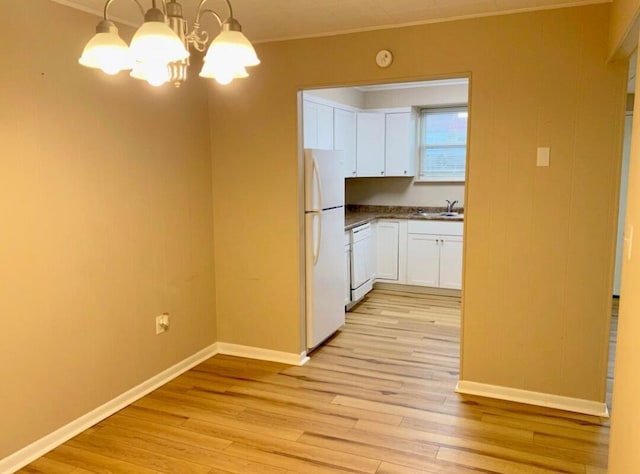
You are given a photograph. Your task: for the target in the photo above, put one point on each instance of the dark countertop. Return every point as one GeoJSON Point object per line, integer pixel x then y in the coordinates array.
{"type": "Point", "coordinates": [356, 215]}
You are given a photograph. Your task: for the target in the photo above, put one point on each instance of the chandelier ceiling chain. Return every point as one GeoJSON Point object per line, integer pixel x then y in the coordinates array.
{"type": "Point", "coordinates": [159, 49]}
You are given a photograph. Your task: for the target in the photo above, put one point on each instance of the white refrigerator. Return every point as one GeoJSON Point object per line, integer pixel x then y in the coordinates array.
{"type": "Point", "coordinates": [324, 247]}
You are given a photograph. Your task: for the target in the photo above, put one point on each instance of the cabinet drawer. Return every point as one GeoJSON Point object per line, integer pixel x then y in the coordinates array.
{"type": "Point", "coordinates": [435, 227]}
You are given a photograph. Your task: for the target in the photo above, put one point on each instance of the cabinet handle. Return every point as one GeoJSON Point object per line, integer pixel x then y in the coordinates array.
{"type": "Point", "coordinates": [405, 171]}
{"type": "Point", "coordinates": [381, 172]}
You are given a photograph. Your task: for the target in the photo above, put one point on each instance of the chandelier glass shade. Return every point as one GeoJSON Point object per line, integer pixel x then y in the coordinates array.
{"type": "Point", "coordinates": [107, 51]}
{"type": "Point", "coordinates": [159, 49]}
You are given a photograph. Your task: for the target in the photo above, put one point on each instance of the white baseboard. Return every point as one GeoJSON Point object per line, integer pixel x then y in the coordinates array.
{"type": "Point", "coordinates": [577, 405]}
{"type": "Point", "coordinates": [262, 354]}
{"type": "Point", "coordinates": [42, 446]}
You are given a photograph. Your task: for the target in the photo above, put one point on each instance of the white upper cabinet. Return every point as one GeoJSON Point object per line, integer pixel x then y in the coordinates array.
{"type": "Point", "coordinates": [399, 157]}
{"type": "Point", "coordinates": [375, 143]}
{"type": "Point", "coordinates": [317, 122]}
{"type": "Point", "coordinates": [344, 138]}
{"type": "Point", "coordinates": [370, 144]}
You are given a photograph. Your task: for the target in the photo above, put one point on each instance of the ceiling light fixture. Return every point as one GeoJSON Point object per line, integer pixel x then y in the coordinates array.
{"type": "Point", "coordinates": [159, 50]}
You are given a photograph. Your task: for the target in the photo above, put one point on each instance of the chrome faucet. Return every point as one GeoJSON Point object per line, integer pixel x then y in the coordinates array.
{"type": "Point", "coordinates": [450, 205]}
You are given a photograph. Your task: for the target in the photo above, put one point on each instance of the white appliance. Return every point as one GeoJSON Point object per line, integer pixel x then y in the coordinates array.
{"type": "Point", "coordinates": [361, 260]}
{"type": "Point", "coordinates": [324, 238]}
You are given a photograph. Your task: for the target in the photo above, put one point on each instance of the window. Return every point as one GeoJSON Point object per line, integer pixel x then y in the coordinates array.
{"type": "Point", "coordinates": [443, 144]}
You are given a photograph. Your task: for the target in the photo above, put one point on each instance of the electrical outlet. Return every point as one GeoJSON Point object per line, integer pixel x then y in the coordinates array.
{"type": "Point", "coordinates": [162, 323]}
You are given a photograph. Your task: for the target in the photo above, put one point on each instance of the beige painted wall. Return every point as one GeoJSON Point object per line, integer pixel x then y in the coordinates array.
{"type": "Point", "coordinates": [430, 96]}
{"type": "Point", "coordinates": [342, 95]}
{"type": "Point", "coordinates": [624, 456]}
{"type": "Point", "coordinates": [106, 222]}
{"type": "Point", "coordinates": [539, 241]}
{"type": "Point", "coordinates": [623, 27]}
{"type": "Point", "coordinates": [402, 192]}
{"type": "Point", "coordinates": [625, 428]}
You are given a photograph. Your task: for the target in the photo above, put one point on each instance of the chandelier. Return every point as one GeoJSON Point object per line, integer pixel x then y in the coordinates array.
{"type": "Point", "coordinates": [159, 50]}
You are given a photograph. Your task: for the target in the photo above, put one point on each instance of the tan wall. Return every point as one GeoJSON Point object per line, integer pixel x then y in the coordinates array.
{"type": "Point", "coordinates": [539, 242]}
{"type": "Point", "coordinates": [106, 222]}
{"type": "Point", "coordinates": [623, 27]}
{"type": "Point", "coordinates": [623, 455]}
{"type": "Point", "coordinates": [342, 95]}
{"type": "Point", "coordinates": [430, 96]}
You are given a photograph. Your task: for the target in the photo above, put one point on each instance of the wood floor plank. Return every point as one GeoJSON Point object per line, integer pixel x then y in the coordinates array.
{"type": "Point", "coordinates": [484, 447]}
{"type": "Point", "coordinates": [439, 467]}
{"type": "Point", "coordinates": [379, 397]}
{"type": "Point", "coordinates": [170, 433]}
{"type": "Point", "coordinates": [46, 465]}
{"type": "Point", "coordinates": [101, 463]}
{"type": "Point", "coordinates": [488, 463]}
{"type": "Point", "coordinates": [122, 449]}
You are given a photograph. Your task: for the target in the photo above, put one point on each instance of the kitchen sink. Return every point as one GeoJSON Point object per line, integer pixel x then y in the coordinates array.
{"type": "Point", "coordinates": [436, 214]}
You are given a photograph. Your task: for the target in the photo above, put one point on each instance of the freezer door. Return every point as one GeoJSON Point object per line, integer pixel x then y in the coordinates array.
{"type": "Point", "coordinates": [324, 179]}
{"type": "Point", "coordinates": [324, 274]}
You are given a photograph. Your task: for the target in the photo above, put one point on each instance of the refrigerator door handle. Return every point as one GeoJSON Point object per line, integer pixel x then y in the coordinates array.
{"type": "Point", "coordinates": [316, 177]}
{"type": "Point", "coordinates": [317, 235]}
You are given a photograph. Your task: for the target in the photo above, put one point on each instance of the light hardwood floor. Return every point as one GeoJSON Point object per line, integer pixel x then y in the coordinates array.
{"type": "Point", "coordinates": [378, 398]}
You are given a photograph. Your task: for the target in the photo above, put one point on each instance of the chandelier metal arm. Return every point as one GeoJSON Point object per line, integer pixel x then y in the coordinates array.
{"type": "Point", "coordinates": [198, 38]}
{"type": "Point", "coordinates": [109, 2]}
{"type": "Point", "coordinates": [199, 11]}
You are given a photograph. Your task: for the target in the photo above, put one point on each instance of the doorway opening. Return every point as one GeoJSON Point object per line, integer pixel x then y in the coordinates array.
{"type": "Point", "coordinates": [403, 153]}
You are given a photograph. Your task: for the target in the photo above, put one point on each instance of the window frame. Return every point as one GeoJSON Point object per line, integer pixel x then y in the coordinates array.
{"type": "Point", "coordinates": [421, 177]}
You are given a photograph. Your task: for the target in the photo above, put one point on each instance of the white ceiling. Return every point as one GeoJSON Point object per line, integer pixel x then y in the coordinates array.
{"type": "Point", "coordinates": [265, 20]}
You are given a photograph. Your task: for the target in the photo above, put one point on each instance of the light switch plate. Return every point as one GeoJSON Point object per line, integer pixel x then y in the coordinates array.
{"type": "Point", "coordinates": [543, 156]}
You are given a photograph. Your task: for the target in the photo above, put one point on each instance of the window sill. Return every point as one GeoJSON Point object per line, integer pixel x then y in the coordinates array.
{"type": "Point", "coordinates": [439, 180]}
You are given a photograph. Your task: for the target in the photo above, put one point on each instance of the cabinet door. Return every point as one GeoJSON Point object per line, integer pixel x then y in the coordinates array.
{"type": "Point", "coordinates": [317, 125]}
{"type": "Point", "coordinates": [325, 127]}
{"type": "Point", "coordinates": [344, 138]}
{"type": "Point", "coordinates": [387, 251]}
{"type": "Point", "coordinates": [399, 145]}
{"type": "Point", "coordinates": [370, 144]}
{"type": "Point", "coordinates": [451, 262]}
{"type": "Point", "coordinates": [309, 124]}
{"type": "Point", "coordinates": [423, 257]}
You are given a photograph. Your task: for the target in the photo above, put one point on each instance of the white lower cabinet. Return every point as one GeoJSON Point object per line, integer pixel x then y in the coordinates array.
{"type": "Point", "coordinates": [387, 250]}
{"type": "Point", "coordinates": [434, 254]}
{"type": "Point", "coordinates": [411, 252]}
{"type": "Point", "coordinates": [423, 260]}
{"type": "Point", "coordinates": [451, 262]}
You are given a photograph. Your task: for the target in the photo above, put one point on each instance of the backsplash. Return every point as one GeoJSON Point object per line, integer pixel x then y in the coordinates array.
{"type": "Point", "coordinates": [367, 208]}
